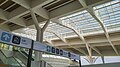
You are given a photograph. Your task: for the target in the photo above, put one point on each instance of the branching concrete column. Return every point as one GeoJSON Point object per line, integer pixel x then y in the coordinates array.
{"type": "Point", "coordinates": [39, 35]}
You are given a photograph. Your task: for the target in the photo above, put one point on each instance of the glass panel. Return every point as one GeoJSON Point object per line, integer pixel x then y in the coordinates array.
{"type": "Point", "coordinates": [82, 21]}
{"type": "Point", "coordinates": [109, 13]}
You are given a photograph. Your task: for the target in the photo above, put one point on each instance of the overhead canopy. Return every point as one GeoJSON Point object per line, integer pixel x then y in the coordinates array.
{"type": "Point", "coordinates": [79, 23]}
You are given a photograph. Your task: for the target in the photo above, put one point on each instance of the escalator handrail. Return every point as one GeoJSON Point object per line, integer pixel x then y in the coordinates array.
{"type": "Point", "coordinates": [10, 57]}
{"type": "Point", "coordinates": [17, 61]}
{"type": "Point", "coordinates": [25, 54]}
{"type": "Point", "coordinates": [3, 54]}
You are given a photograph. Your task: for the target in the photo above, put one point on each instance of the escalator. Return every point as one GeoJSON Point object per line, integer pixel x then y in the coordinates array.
{"type": "Point", "coordinates": [22, 56]}
{"type": "Point", "coordinates": [8, 61]}
{"type": "Point", "coordinates": [1, 61]}
{"type": "Point", "coordinates": [16, 58]}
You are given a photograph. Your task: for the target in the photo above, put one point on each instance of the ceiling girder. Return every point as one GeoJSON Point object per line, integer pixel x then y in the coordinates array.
{"type": "Point", "coordinates": [92, 13]}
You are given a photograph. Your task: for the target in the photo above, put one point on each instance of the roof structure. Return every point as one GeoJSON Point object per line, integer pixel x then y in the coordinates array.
{"type": "Point", "coordinates": [85, 27]}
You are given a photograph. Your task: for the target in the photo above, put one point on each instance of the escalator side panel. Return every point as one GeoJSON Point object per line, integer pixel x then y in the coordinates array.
{"type": "Point", "coordinates": [20, 57]}
{"type": "Point", "coordinates": [7, 53]}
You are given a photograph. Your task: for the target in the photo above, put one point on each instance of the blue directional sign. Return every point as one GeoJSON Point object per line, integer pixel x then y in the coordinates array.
{"type": "Point", "coordinates": [6, 37]}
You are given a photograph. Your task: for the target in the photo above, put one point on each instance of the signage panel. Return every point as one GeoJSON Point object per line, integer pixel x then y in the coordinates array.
{"type": "Point", "coordinates": [75, 56]}
{"type": "Point", "coordinates": [15, 40]}
{"type": "Point", "coordinates": [65, 53]}
{"type": "Point", "coordinates": [39, 46]}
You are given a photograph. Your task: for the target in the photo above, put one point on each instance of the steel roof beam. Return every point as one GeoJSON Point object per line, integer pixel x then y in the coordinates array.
{"type": "Point", "coordinates": [24, 3]}
{"type": "Point", "coordinates": [38, 10]}
{"type": "Point", "coordinates": [64, 40]}
{"type": "Point", "coordinates": [18, 21]}
{"type": "Point", "coordinates": [87, 45]}
{"type": "Point", "coordinates": [92, 13]}
{"type": "Point", "coordinates": [3, 14]}
{"type": "Point", "coordinates": [83, 39]}
{"type": "Point", "coordinates": [4, 2]}
{"type": "Point", "coordinates": [56, 34]}
{"type": "Point", "coordinates": [49, 41]}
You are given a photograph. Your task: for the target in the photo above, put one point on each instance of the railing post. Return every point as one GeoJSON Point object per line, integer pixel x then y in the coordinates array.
{"type": "Point", "coordinates": [30, 55]}
{"type": "Point", "coordinates": [80, 62]}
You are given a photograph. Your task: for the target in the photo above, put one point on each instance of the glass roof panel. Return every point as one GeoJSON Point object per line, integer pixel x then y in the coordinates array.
{"type": "Point", "coordinates": [109, 13]}
{"type": "Point", "coordinates": [82, 21]}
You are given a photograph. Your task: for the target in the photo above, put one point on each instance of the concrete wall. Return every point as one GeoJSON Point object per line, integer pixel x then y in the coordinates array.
{"type": "Point", "coordinates": [101, 65]}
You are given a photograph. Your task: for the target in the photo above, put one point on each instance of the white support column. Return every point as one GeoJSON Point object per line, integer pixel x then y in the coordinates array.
{"type": "Point", "coordinates": [39, 36]}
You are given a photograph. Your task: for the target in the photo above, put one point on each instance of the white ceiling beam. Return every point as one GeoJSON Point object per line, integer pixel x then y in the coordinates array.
{"type": "Point", "coordinates": [4, 2]}
{"type": "Point", "coordinates": [20, 11]}
{"type": "Point", "coordinates": [19, 21]}
{"type": "Point", "coordinates": [83, 3]}
{"type": "Point", "coordinates": [56, 34]}
{"type": "Point", "coordinates": [51, 3]}
{"type": "Point", "coordinates": [100, 44]}
{"type": "Point", "coordinates": [81, 37]}
{"type": "Point", "coordinates": [24, 3]}
{"type": "Point", "coordinates": [87, 44]}
{"type": "Point", "coordinates": [66, 9]}
{"type": "Point", "coordinates": [5, 27]}
{"type": "Point", "coordinates": [3, 14]}
{"type": "Point", "coordinates": [92, 13]}
{"type": "Point", "coordinates": [9, 7]}
{"type": "Point", "coordinates": [79, 50]}
{"type": "Point", "coordinates": [42, 12]}
{"type": "Point", "coordinates": [54, 14]}
{"type": "Point", "coordinates": [64, 40]}
{"type": "Point", "coordinates": [49, 41]}
{"type": "Point", "coordinates": [70, 9]}
{"type": "Point", "coordinates": [35, 20]}
{"type": "Point", "coordinates": [39, 3]}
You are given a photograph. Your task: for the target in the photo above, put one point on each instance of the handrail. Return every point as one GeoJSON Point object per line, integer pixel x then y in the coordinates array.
{"type": "Point", "coordinates": [3, 54]}
{"type": "Point", "coordinates": [7, 58]}
{"type": "Point", "coordinates": [24, 53]}
{"type": "Point", "coordinates": [17, 61]}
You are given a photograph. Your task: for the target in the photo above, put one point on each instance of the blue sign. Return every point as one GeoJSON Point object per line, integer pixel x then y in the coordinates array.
{"type": "Point", "coordinates": [6, 37]}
